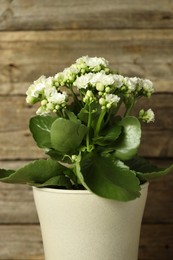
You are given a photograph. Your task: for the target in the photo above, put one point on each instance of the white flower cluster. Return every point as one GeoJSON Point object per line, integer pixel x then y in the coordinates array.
{"type": "Point", "coordinates": [82, 66]}
{"type": "Point", "coordinates": [111, 82]}
{"type": "Point", "coordinates": [147, 116]}
{"type": "Point", "coordinates": [93, 80]}
{"type": "Point", "coordinates": [101, 83]}
{"type": "Point", "coordinates": [93, 63]}
{"type": "Point", "coordinates": [43, 90]}
{"type": "Point", "coordinates": [137, 86]}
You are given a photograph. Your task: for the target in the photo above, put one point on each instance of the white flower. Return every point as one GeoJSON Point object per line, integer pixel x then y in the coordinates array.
{"type": "Point", "coordinates": [83, 81]}
{"type": "Point", "coordinates": [131, 83]}
{"type": "Point", "coordinates": [37, 87]}
{"type": "Point", "coordinates": [57, 98]}
{"type": "Point", "coordinates": [67, 72]}
{"type": "Point", "coordinates": [111, 98]}
{"type": "Point", "coordinates": [148, 86]}
{"type": "Point", "coordinates": [53, 101]}
{"type": "Point", "coordinates": [74, 69]}
{"type": "Point", "coordinates": [147, 116]}
{"type": "Point", "coordinates": [103, 78]}
{"type": "Point", "coordinates": [118, 80]}
{"type": "Point", "coordinates": [42, 111]}
{"type": "Point", "coordinates": [36, 90]}
{"type": "Point", "coordinates": [58, 76]}
{"type": "Point", "coordinates": [92, 62]}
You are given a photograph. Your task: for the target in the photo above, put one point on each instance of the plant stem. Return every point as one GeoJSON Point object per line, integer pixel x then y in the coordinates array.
{"type": "Point", "coordinates": [88, 126]}
{"type": "Point", "coordinates": [114, 111]}
{"type": "Point", "coordinates": [99, 122]}
{"type": "Point", "coordinates": [129, 108]}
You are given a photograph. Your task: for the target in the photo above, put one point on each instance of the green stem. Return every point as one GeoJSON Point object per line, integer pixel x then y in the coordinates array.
{"type": "Point", "coordinates": [88, 126]}
{"type": "Point", "coordinates": [129, 108]}
{"type": "Point", "coordinates": [99, 122]}
{"type": "Point", "coordinates": [114, 111]}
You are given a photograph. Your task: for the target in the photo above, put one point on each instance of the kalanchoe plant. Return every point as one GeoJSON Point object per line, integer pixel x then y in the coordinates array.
{"type": "Point", "coordinates": [90, 144]}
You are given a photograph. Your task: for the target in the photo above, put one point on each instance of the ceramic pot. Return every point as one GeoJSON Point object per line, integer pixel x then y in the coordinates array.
{"type": "Point", "coordinates": [78, 225]}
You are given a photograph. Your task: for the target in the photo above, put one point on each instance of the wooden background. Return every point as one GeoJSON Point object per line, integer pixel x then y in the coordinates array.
{"type": "Point", "coordinates": [42, 37]}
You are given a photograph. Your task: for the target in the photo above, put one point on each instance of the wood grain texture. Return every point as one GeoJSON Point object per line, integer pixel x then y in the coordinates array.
{"type": "Point", "coordinates": [27, 55]}
{"type": "Point", "coordinates": [75, 14]}
{"type": "Point", "coordinates": [43, 37]}
{"type": "Point", "coordinates": [25, 243]}
{"type": "Point", "coordinates": [17, 205]}
{"type": "Point", "coordinates": [156, 242]}
{"type": "Point", "coordinates": [20, 242]}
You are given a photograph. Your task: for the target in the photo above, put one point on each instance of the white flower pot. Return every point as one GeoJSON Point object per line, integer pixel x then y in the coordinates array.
{"type": "Point", "coordinates": [78, 225]}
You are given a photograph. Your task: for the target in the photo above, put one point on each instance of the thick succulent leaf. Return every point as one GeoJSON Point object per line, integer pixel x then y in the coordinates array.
{"type": "Point", "coordinates": [109, 136]}
{"type": "Point", "coordinates": [72, 116]}
{"type": "Point", "coordinates": [67, 135]}
{"type": "Point", "coordinates": [83, 115]}
{"type": "Point", "coordinates": [108, 178]}
{"type": "Point", "coordinates": [37, 172]}
{"type": "Point", "coordinates": [40, 129]}
{"type": "Point", "coordinates": [145, 170]}
{"type": "Point", "coordinates": [54, 154]}
{"type": "Point", "coordinates": [5, 173]}
{"type": "Point", "coordinates": [57, 181]}
{"type": "Point", "coordinates": [129, 141]}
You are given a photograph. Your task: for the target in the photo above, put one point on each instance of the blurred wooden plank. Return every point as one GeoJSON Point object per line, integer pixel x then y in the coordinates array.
{"type": "Point", "coordinates": [29, 15]}
{"type": "Point", "coordinates": [25, 243]}
{"type": "Point", "coordinates": [20, 242]}
{"type": "Point", "coordinates": [17, 203]}
{"type": "Point", "coordinates": [27, 55]}
{"type": "Point", "coordinates": [156, 242]}
{"type": "Point", "coordinates": [82, 35]}
{"type": "Point", "coordinates": [157, 144]}
{"type": "Point", "coordinates": [12, 164]}
{"type": "Point", "coordinates": [159, 206]}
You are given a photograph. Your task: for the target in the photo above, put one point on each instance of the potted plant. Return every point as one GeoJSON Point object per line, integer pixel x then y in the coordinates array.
{"type": "Point", "coordinates": [90, 192]}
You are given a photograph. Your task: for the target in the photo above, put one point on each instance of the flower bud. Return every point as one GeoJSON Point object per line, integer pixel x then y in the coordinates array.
{"type": "Point", "coordinates": [107, 89]}
{"type": "Point", "coordinates": [100, 86]}
{"type": "Point", "coordinates": [43, 102]}
{"type": "Point", "coordinates": [102, 101]}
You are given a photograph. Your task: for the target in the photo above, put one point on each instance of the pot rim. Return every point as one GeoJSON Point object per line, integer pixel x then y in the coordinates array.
{"type": "Point", "coordinates": [64, 191]}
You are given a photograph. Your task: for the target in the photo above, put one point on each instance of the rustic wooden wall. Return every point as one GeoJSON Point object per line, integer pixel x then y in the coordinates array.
{"type": "Point", "coordinates": [42, 37]}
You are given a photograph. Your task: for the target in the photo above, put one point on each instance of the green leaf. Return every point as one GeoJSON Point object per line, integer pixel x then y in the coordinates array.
{"type": "Point", "coordinates": [40, 129]}
{"type": "Point", "coordinates": [72, 116]}
{"type": "Point", "coordinates": [67, 135]}
{"type": "Point", "coordinates": [83, 114]}
{"type": "Point", "coordinates": [54, 154]}
{"type": "Point", "coordinates": [37, 172]}
{"type": "Point", "coordinates": [5, 173]}
{"type": "Point", "coordinates": [57, 181]}
{"type": "Point", "coordinates": [108, 178]}
{"type": "Point", "coordinates": [145, 170]}
{"type": "Point", "coordinates": [128, 143]}
{"type": "Point", "coordinates": [109, 136]}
